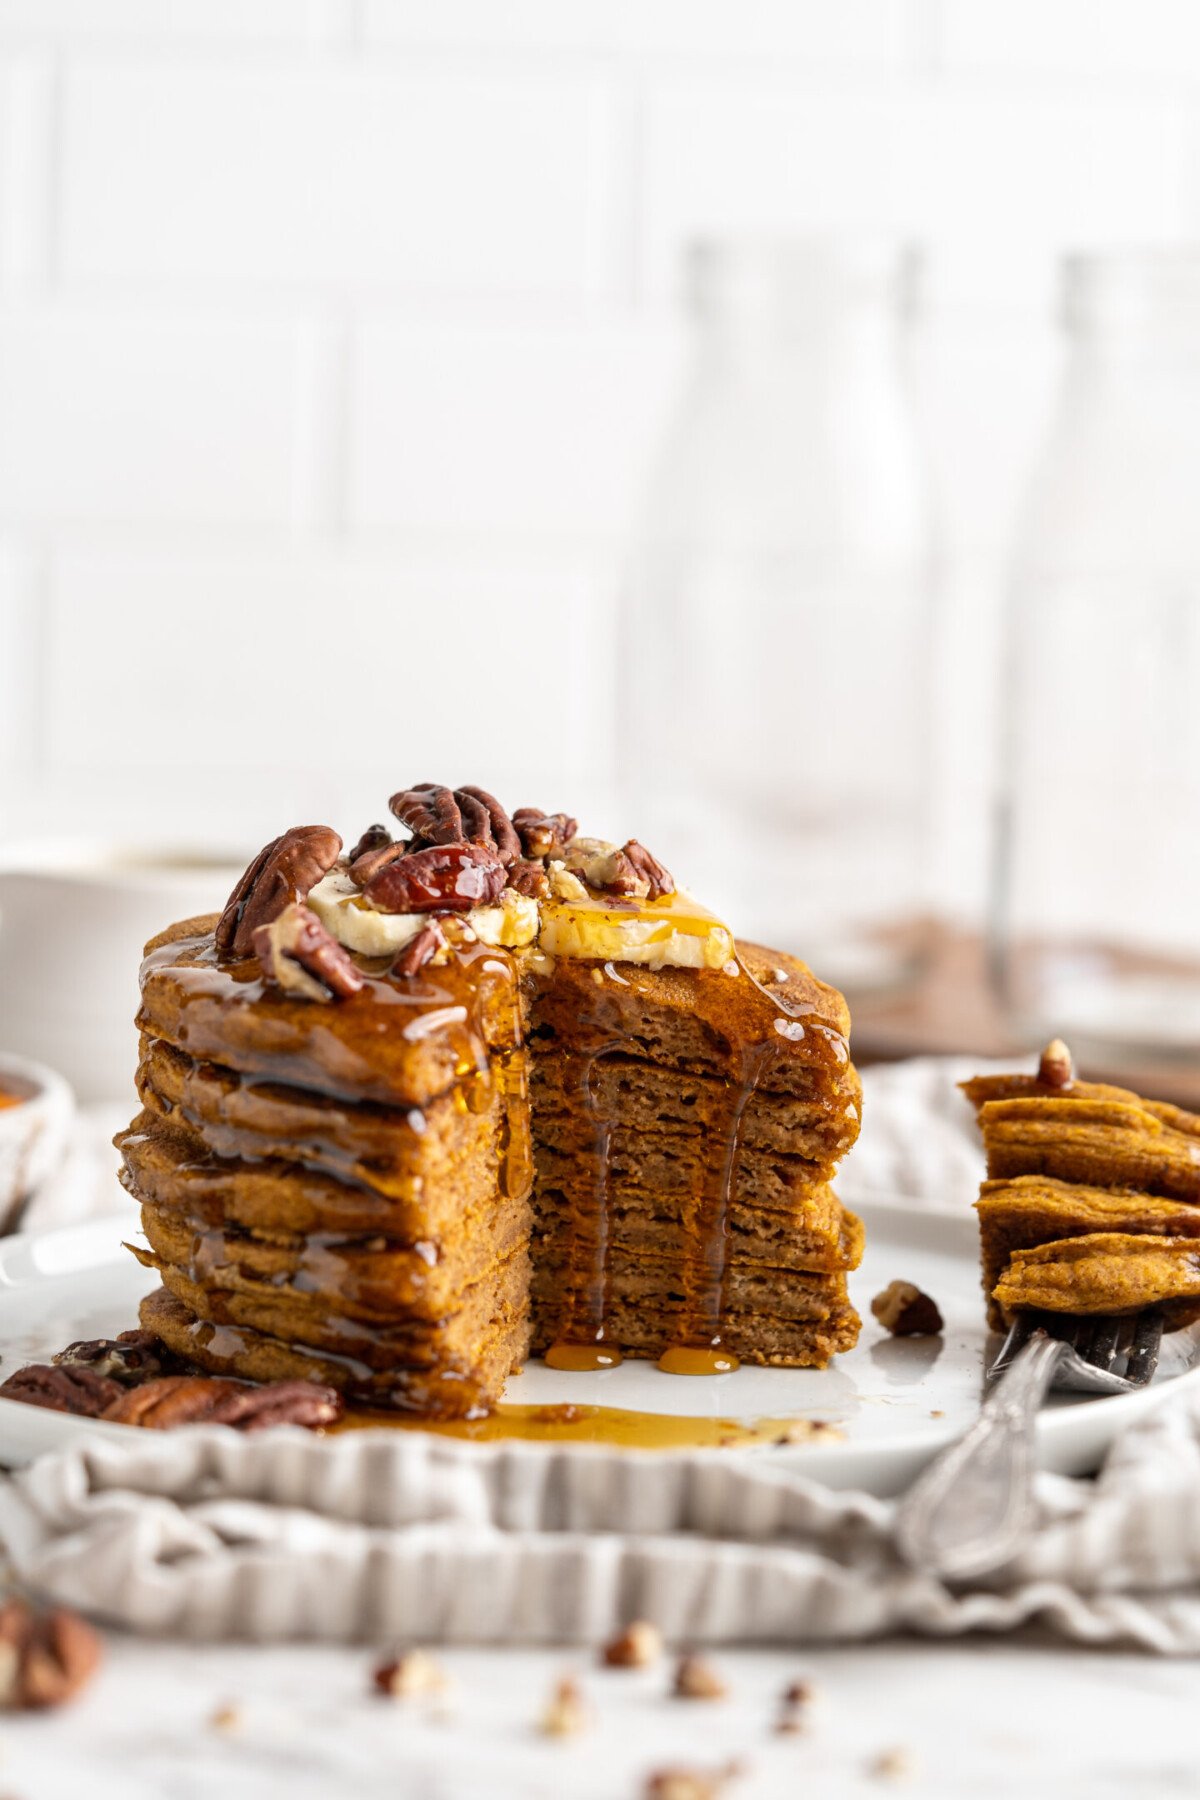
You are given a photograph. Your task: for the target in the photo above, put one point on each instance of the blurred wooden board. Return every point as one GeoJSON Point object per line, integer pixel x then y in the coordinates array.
{"type": "Point", "coordinates": [951, 1008]}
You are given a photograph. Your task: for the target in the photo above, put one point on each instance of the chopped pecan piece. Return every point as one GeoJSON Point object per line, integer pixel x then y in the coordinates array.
{"type": "Point", "coordinates": [603, 867]}
{"type": "Point", "coordinates": [1056, 1068]}
{"type": "Point", "coordinates": [300, 956]}
{"type": "Point", "coordinates": [375, 837]}
{"type": "Point", "coordinates": [71, 1390]}
{"type": "Point", "coordinates": [212, 1400]}
{"type": "Point", "coordinates": [133, 1356]}
{"type": "Point", "coordinates": [444, 878]}
{"type": "Point", "coordinates": [905, 1311]}
{"type": "Point", "coordinates": [420, 950]}
{"type": "Point", "coordinates": [529, 878]}
{"type": "Point", "coordinates": [543, 834]}
{"type": "Point", "coordinates": [46, 1656]}
{"type": "Point", "coordinates": [280, 874]}
{"type": "Point", "coordinates": [639, 1645]}
{"type": "Point", "coordinates": [795, 1708]}
{"type": "Point", "coordinates": [696, 1679]}
{"type": "Point", "coordinates": [413, 1672]}
{"type": "Point", "coordinates": [564, 885]}
{"type": "Point", "coordinates": [691, 1784]}
{"type": "Point", "coordinates": [567, 1712]}
{"type": "Point", "coordinates": [897, 1764]}
{"type": "Point", "coordinates": [659, 880]}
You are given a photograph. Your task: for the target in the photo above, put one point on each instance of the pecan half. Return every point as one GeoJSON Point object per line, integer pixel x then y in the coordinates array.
{"type": "Point", "coordinates": [659, 879]}
{"type": "Point", "coordinates": [420, 950]}
{"type": "Point", "coordinates": [543, 834]}
{"type": "Point", "coordinates": [444, 878]}
{"type": "Point", "coordinates": [430, 812]}
{"type": "Point", "coordinates": [441, 815]}
{"type": "Point", "coordinates": [46, 1656]}
{"type": "Point", "coordinates": [301, 957]}
{"type": "Point", "coordinates": [212, 1400]}
{"type": "Point", "coordinates": [494, 827]}
{"type": "Point", "coordinates": [529, 878]}
{"type": "Point", "coordinates": [133, 1356]}
{"type": "Point", "coordinates": [281, 873]}
{"type": "Point", "coordinates": [363, 867]}
{"type": "Point", "coordinates": [71, 1390]}
{"type": "Point", "coordinates": [375, 837]}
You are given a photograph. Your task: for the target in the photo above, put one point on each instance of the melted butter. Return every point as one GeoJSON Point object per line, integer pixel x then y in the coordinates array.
{"type": "Point", "coordinates": [601, 1425]}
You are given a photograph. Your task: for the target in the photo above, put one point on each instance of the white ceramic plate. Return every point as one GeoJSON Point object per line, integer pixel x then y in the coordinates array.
{"type": "Point", "coordinates": [895, 1401]}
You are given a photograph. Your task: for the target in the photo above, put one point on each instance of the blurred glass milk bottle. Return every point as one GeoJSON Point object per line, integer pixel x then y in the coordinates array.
{"type": "Point", "coordinates": [1097, 890]}
{"type": "Point", "coordinates": [777, 632]}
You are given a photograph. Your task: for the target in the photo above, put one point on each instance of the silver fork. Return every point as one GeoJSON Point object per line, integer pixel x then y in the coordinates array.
{"type": "Point", "coordinates": [969, 1511]}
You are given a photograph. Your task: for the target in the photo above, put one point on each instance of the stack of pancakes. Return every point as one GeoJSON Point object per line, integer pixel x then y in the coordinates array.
{"type": "Point", "coordinates": [338, 1192]}
{"type": "Point", "coordinates": [1092, 1203]}
{"type": "Point", "coordinates": [346, 1191]}
{"type": "Point", "coordinates": [685, 1127]}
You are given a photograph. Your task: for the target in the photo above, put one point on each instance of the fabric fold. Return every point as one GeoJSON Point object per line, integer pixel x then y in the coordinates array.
{"type": "Point", "coordinates": [208, 1535]}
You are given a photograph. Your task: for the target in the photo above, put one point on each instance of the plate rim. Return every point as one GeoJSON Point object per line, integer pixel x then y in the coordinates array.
{"type": "Point", "coordinates": [853, 1465]}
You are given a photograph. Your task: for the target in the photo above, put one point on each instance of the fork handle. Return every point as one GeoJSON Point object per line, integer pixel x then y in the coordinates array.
{"type": "Point", "coordinates": [968, 1512]}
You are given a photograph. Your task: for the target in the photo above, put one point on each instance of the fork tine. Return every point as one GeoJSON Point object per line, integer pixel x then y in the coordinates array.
{"type": "Point", "coordinates": [1098, 1345]}
{"type": "Point", "coordinates": [1143, 1352]}
{"type": "Point", "coordinates": [1019, 1333]}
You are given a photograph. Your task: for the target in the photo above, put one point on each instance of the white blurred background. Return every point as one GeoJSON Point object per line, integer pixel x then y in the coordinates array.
{"type": "Point", "coordinates": [336, 340]}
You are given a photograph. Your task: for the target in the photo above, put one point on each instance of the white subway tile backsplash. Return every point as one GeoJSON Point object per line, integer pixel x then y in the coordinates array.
{"type": "Point", "coordinates": [224, 670]}
{"type": "Point", "coordinates": [868, 33]}
{"type": "Point", "coordinates": [508, 429]}
{"type": "Point", "coordinates": [137, 22]}
{"type": "Point", "coordinates": [1123, 41]}
{"type": "Point", "coordinates": [115, 416]}
{"type": "Point", "coordinates": [1037, 169]}
{"type": "Point", "coordinates": [27, 131]}
{"type": "Point", "coordinates": [21, 610]}
{"type": "Point", "coordinates": [335, 176]}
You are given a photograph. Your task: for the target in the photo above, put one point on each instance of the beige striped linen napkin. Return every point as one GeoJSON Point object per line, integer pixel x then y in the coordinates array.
{"type": "Point", "coordinates": [205, 1535]}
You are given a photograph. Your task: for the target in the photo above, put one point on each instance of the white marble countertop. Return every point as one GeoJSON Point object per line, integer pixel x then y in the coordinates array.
{"type": "Point", "coordinates": [975, 1717]}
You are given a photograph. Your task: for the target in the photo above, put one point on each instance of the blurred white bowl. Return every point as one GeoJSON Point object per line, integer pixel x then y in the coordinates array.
{"type": "Point", "coordinates": [33, 1133]}
{"type": "Point", "coordinates": [74, 916]}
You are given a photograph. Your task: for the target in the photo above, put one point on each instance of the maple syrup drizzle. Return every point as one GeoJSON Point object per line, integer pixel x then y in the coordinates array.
{"type": "Point", "coordinates": [579, 1346]}
{"type": "Point", "coordinates": [600, 1425]}
{"type": "Point", "coordinates": [581, 1359]}
{"type": "Point", "coordinates": [697, 1359]}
